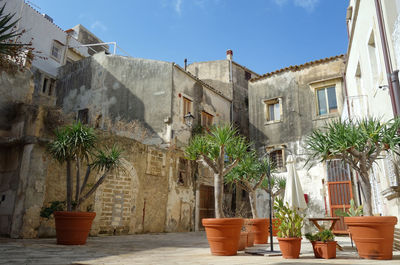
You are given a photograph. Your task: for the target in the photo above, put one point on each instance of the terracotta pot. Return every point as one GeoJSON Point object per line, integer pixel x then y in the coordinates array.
{"type": "Point", "coordinates": [250, 239]}
{"type": "Point", "coordinates": [260, 228]}
{"type": "Point", "coordinates": [275, 226]}
{"type": "Point", "coordinates": [72, 228]}
{"type": "Point", "coordinates": [243, 240]}
{"type": "Point", "coordinates": [223, 235]}
{"type": "Point", "coordinates": [373, 235]}
{"type": "Point", "coordinates": [290, 247]}
{"type": "Point", "coordinates": [325, 250]}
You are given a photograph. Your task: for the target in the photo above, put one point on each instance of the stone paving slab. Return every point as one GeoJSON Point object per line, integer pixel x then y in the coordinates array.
{"type": "Point", "coordinates": [169, 248]}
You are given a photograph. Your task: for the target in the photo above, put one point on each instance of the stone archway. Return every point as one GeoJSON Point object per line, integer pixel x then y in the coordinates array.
{"type": "Point", "coordinates": [115, 202]}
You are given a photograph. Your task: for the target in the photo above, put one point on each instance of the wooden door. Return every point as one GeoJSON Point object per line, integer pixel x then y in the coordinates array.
{"type": "Point", "coordinates": [339, 190]}
{"type": "Point", "coordinates": [206, 209]}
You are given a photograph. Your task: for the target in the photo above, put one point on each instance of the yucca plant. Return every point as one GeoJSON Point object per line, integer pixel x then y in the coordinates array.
{"type": "Point", "coordinates": [13, 53]}
{"type": "Point", "coordinates": [358, 143]}
{"type": "Point", "coordinates": [220, 151]}
{"type": "Point", "coordinates": [278, 185]}
{"type": "Point", "coordinates": [78, 144]}
{"type": "Point", "coordinates": [249, 175]}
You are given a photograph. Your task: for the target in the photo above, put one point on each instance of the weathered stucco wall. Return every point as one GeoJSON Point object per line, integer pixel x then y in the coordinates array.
{"type": "Point", "coordinates": [214, 73]}
{"type": "Point", "coordinates": [119, 88]}
{"type": "Point", "coordinates": [298, 118]}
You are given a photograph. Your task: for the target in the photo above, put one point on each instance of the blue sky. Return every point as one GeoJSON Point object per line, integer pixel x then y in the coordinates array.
{"type": "Point", "coordinates": [264, 35]}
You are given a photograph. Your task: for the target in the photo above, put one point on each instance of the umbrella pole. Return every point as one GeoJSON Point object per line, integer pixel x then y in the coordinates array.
{"type": "Point", "coordinates": [270, 212]}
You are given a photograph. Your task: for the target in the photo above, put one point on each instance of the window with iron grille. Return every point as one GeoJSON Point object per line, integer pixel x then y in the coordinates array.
{"type": "Point", "coordinates": [277, 158]}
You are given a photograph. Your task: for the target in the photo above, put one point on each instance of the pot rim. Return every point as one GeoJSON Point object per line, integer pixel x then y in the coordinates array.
{"type": "Point", "coordinates": [371, 219]}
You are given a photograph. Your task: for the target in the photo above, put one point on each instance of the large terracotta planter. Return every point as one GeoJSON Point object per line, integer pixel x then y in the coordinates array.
{"type": "Point", "coordinates": [72, 228]}
{"type": "Point", "coordinates": [275, 226]}
{"type": "Point", "coordinates": [260, 228]}
{"type": "Point", "coordinates": [223, 235]}
{"type": "Point", "coordinates": [250, 239]}
{"type": "Point", "coordinates": [373, 235]}
{"type": "Point", "coordinates": [290, 247]}
{"type": "Point", "coordinates": [243, 240]}
{"type": "Point", "coordinates": [325, 250]}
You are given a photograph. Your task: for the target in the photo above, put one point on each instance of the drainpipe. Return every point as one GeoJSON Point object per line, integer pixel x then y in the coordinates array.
{"type": "Point", "coordinates": [229, 55]}
{"type": "Point", "coordinates": [393, 80]}
{"type": "Point", "coordinates": [346, 93]}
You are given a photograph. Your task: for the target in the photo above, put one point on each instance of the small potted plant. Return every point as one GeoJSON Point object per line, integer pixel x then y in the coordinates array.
{"type": "Point", "coordinates": [289, 234]}
{"type": "Point", "coordinates": [77, 144]}
{"type": "Point", "coordinates": [220, 151]}
{"type": "Point", "coordinates": [324, 244]}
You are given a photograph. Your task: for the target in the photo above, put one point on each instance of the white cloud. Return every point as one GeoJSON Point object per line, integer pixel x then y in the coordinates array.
{"type": "Point", "coordinates": [308, 5]}
{"type": "Point", "coordinates": [178, 6]}
{"type": "Point", "coordinates": [98, 24]}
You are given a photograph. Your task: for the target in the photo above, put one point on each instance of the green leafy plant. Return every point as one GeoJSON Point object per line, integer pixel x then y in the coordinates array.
{"type": "Point", "coordinates": [290, 221]}
{"type": "Point", "coordinates": [220, 151]}
{"type": "Point", "coordinates": [78, 143]}
{"type": "Point", "coordinates": [325, 235]}
{"type": "Point", "coordinates": [353, 210]}
{"type": "Point", "coordinates": [250, 175]}
{"type": "Point", "coordinates": [359, 143]}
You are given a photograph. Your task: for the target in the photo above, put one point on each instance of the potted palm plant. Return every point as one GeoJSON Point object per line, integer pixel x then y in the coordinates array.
{"type": "Point", "coordinates": [249, 175]}
{"type": "Point", "coordinates": [360, 143]}
{"type": "Point", "coordinates": [289, 234]}
{"type": "Point", "coordinates": [77, 144]}
{"type": "Point", "coordinates": [220, 151]}
{"type": "Point", "coordinates": [324, 244]}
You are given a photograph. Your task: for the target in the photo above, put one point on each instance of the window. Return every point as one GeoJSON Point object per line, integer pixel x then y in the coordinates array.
{"type": "Point", "coordinates": [326, 100]}
{"type": "Point", "coordinates": [56, 50]}
{"type": "Point", "coordinates": [273, 110]}
{"type": "Point", "coordinates": [277, 158]}
{"type": "Point", "coordinates": [206, 119]}
{"type": "Point", "coordinates": [187, 106]}
{"type": "Point", "coordinates": [45, 83]}
{"type": "Point", "coordinates": [48, 85]}
{"type": "Point", "coordinates": [83, 116]}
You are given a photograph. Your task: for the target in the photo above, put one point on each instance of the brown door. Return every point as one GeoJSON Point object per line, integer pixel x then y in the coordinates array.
{"type": "Point", "coordinates": [339, 190]}
{"type": "Point", "coordinates": [206, 203]}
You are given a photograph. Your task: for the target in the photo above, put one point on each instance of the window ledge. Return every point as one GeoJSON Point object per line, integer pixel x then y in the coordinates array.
{"type": "Point", "coordinates": [326, 116]}
{"type": "Point", "coordinates": [272, 122]}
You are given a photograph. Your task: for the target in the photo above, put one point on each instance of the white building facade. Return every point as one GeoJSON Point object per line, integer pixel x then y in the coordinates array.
{"type": "Point", "coordinates": [372, 87]}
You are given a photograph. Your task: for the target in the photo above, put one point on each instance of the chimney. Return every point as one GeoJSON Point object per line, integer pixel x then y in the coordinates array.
{"type": "Point", "coordinates": [185, 61]}
{"type": "Point", "coordinates": [229, 54]}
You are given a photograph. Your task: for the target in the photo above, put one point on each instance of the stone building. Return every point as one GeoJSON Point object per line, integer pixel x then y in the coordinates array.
{"type": "Point", "coordinates": [232, 79]}
{"type": "Point", "coordinates": [284, 107]}
{"type": "Point", "coordinates": [53, 46]}
{"type": "Point", "coordinates": [372, 84]}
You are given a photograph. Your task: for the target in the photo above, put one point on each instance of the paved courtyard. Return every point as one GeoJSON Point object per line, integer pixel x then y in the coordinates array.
{"type": "Point", "coordinates": [171, 248]}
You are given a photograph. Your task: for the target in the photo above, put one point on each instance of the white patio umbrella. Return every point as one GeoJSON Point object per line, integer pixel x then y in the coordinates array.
{"type": "Point", "coordinates": [294, 194]}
